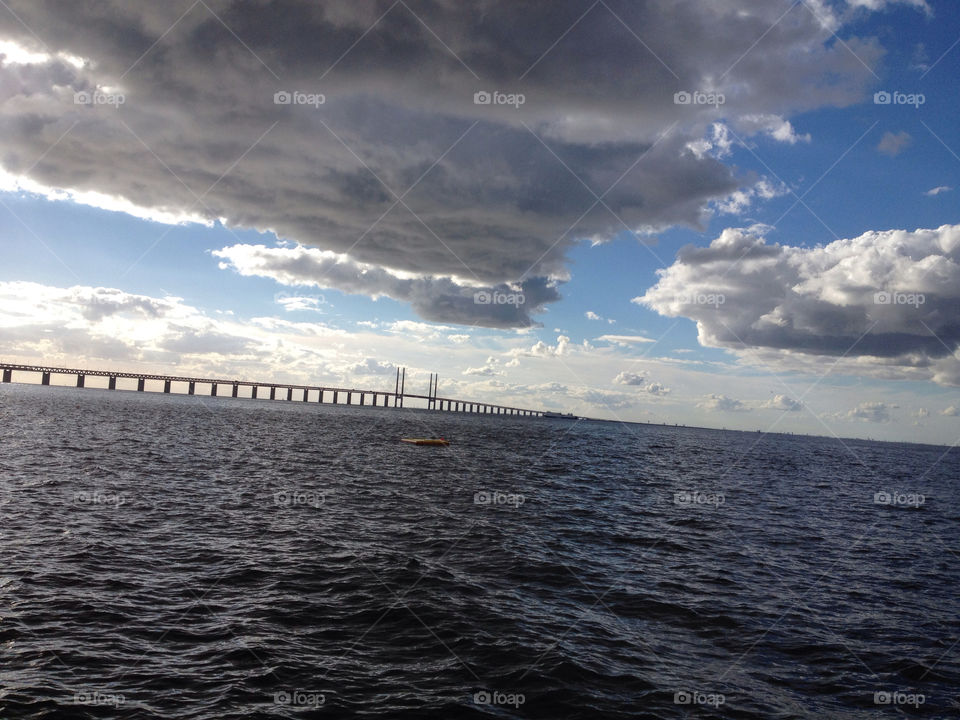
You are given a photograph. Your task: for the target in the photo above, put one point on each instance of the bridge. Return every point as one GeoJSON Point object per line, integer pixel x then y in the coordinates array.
{"type": "Point", "coordinates": [304, 393]}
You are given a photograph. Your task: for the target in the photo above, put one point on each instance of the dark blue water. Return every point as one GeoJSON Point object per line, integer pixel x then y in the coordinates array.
{"type": "Point", "coordinates": [179, 557]}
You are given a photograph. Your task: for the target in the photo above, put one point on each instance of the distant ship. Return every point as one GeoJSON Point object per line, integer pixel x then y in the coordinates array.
{"type": "Point", "coordinates": [559, 416]}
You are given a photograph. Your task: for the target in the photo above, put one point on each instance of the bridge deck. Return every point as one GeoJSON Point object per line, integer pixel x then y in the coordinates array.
{"type": "Point", "coordinates": [46, 370]}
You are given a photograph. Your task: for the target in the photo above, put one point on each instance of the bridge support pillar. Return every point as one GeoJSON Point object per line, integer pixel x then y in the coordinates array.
{"type": "Point", "coordinates": [349, 398]}
{"type": "Point", "coordinates": [141, 383]}
{"type": "Point", "coordinates": [320, 396]}
{"type": "Point", "coordinates": [236, 389]}
{"type": "Point", "coordinates": [253, 393]}
{"type": "Point", "coordinates": [112, 384]}
{"type": "Point", "coordinates": [80, 379]}
{"type": "Point", "coordinates": [289, 394]}
{"type": "Point", "coordinates": [273, 392]}
{"type": "Point", "coordinates": [8, 375]}
{"type": "Point", "coordinates": [335, 394]}
{"type": "Point", "coordinates": [305, 391]}
{"type": "Point", "coordinates": [191, 388]}
{"type": "Point", "coordinates": [363, 398]}
{"type": "Point", "coordinates": [213, 389]}
{"type": "Point", "coordinates": [166, 386]}
{"type": "Point", "coordinates": [45, 379]}
{"type": "Point", "coordinates": [385, 398]}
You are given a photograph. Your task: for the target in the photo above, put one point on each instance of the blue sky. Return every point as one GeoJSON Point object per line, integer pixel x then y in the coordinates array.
{"type": "Point", "coordinates": [310, 263]}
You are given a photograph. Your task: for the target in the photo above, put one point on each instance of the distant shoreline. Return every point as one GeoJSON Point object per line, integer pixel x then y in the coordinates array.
{"type": "Point", "coordinates": [641, 423]}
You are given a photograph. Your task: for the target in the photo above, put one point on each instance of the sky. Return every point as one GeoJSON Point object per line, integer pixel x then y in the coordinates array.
{"type": "Point", "coordinates": [725, 213]}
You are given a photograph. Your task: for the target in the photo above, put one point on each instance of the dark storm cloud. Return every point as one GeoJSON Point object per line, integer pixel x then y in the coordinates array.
{"type": "Point", "coordinates": [398, 167]}
{"type": "Point", "coordinates": [440, 299]}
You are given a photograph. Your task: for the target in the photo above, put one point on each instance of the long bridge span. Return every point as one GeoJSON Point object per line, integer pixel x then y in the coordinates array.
{"type": "Point", "coordinates": [219, 387]}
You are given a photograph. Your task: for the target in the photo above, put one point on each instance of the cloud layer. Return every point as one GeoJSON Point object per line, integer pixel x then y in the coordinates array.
{"type": "Point", "coordinates": [398, 168]}
{"type": "Point", "coordinates": [887, 302]}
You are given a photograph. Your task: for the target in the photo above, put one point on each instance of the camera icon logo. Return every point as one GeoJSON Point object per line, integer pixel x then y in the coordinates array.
{"type": "Point", "coordinates": [482, 97]}
{"type": "Point", "coordinates": [881, 98]}
{"type": "Point", "coordinates": [482, 297]}
{"type": "Point", "coordinates": [82, 98]}
{"type": "Point", "coordinates": [282, 98]}
{"type": "Point", "coordinates": [682, 697]}
{"type": "Point", "coordinates": [481, 697]}
{"type": "Point", "coordinates": [682, 98]}
{"type": "Point", "coordinates": [482, 498]}
{"type": "Point", "coordinates": [882, 298]}
{"type": "Point", "coordinates": [882, 697]}
{"type": "Point", "coordinates": [882, 498]}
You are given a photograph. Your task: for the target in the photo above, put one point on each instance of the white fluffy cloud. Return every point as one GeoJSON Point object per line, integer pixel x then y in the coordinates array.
{"type": "Point", "coordinates": [893, 144]}
{"type": "Point", "coordinates": [884, 302]}
{"type": "Point", "coordinates": [873, 412]}
{"type": "Point", "coordinates": [640, 381]}
{"type": "Point", "coordinates": [783, 402]}
{"type": "Point", "coordinates": [772, 125]}
{"type": "Point", "coordinates": [487, 369]}
{"type": "Point", "coordinates": [722, 403]}
{"type": "Point", "coordinates": [629, 378]}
